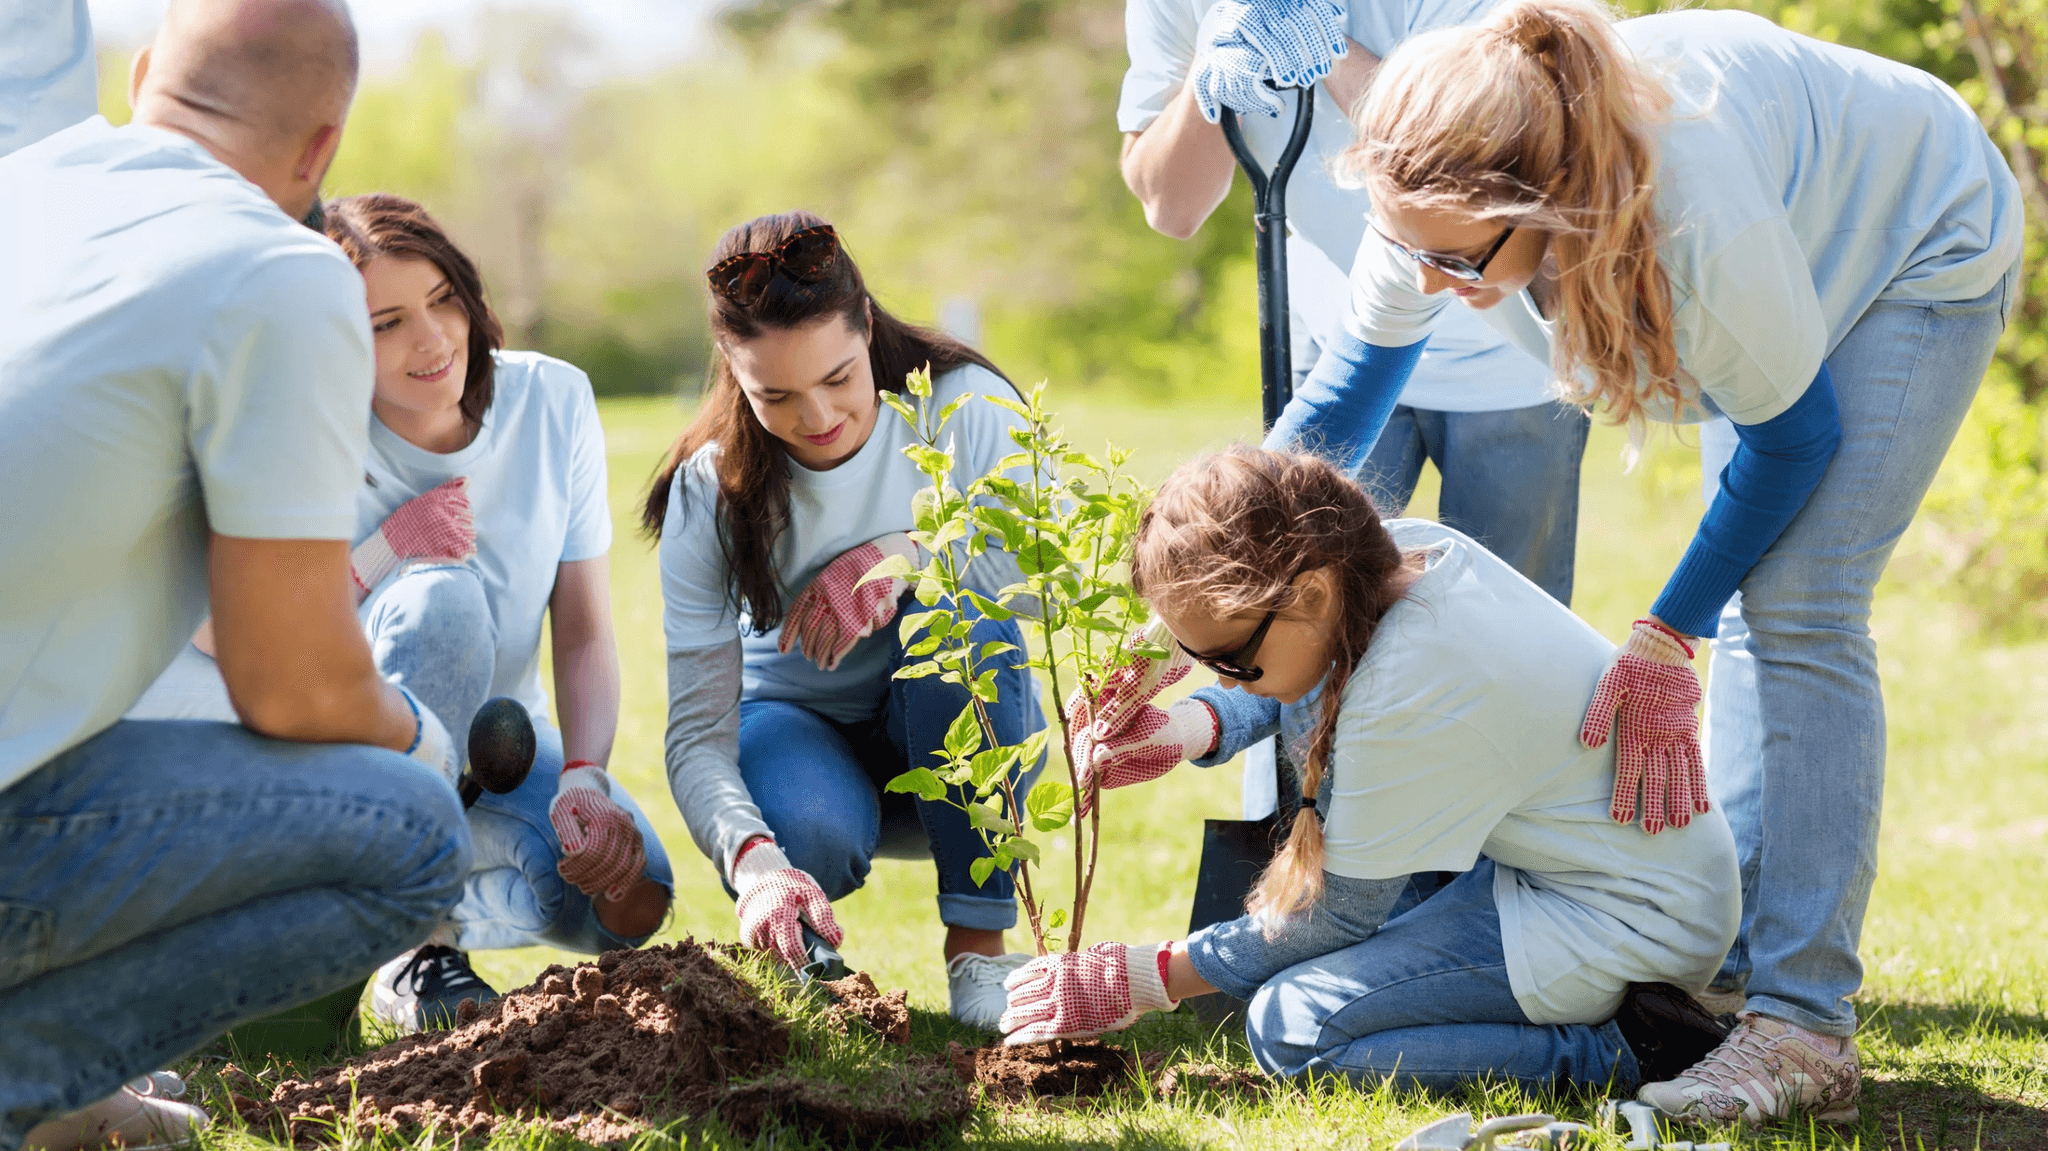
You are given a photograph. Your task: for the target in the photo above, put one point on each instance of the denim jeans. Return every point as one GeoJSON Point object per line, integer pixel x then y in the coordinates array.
{"type": "Point", "coordinates": [1510, 480]}
{"type": "Point", "coordinates": [819, 783]}
{"type": "Point", "coordinates": [1803, 782]}
{"type": "Point", "coordinates": [431, 630]}
{"type": "Point", "coordinates": [1425, 1000]}
{"type": "Point", "coordinates": [165, 881]}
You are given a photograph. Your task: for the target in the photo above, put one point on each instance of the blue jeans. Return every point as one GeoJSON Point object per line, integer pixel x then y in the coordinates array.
{"type": "Point", "coordinates": [819, 783]}
{"type": "Point", "coordinates": [1425, 1000]}
{"type": "Point", "coordinates": [1510, 480]}
{"type": "Point", "coordinates": [165, 881]}
{"type": "Point", "coordinates": [431, 630]}
{"type": "Point", "coordinates": [1803, 780]}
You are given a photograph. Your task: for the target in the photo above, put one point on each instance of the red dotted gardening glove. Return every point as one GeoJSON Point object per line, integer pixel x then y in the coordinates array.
{"type": "Point", "coordinates": [838, 609]}
{"type": "Point", "coordinates": [601, 848]}
{"type": "Point", "coordinates": [1082, 994]}
{"type": "Point", "coordinates": [1119, 732]}
{"type": "Point", "coordinates": [1650, 699]}
{"type": "Point", "coordinates": [776, 899]}
{"type": "Point", "coordinates": [436, 525]}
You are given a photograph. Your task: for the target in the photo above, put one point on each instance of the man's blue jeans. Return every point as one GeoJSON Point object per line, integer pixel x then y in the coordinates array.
{"type": "Point", "coordinates": [1510, 480]}
{"type": "Point", "coordinates": [1795, 713]}
{"type": "Point", "coordinates": [819, 783]}
{"type": "Point", "coordinates": [165, 881]}
{"type": "Point", "coordinates": [431, 630]}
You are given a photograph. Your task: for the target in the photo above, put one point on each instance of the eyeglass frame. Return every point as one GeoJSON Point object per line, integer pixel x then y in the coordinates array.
{"type": "Point", "coordinates": [1227, 663]}
{"type": "Point", "coordinates": [1455, 267]}
{"type": "Point", "coordinates": [776, 262]}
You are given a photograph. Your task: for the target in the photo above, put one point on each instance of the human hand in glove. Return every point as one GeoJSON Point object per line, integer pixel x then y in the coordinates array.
{"type": "Point", "coordinates": [434, 525]}
{"type": "Point", "coordinates": [838, 610]}
{"type": "Point", "coordinates": [1120, 733]}
{"type": "Point", "coordinates": [601, 848]}
{"type": "Point", "coordinates": [1246, 48]}
{"type": "Point", "coordinates": [776, 900]}
{"type": "Point", "coordinates": [1649, 698]}
{"type": "Point", "coordinates": [1082, 994]}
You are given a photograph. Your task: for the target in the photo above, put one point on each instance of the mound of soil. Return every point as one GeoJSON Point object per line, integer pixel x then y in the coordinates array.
{"type": "Point", "coordinates": [857, 997]}
{"type": "Point", "coordinates": [599, 1052]}
{"type": "Point", "coordinates": [1062, 1068]}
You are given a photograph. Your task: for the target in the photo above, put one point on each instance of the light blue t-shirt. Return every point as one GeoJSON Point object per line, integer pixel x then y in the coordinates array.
{"type": "Point", "coordinates": [1468, 366]}
{"type": "Point", "coordinates": [48, 77]}
{"type": "Point", "coordinates": [1798, 182]}
{"type": "Point", "coordinates": [176, 355]}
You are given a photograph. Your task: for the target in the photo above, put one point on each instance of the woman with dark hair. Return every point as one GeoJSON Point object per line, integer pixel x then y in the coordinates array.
{"type": "Point", "coordinates": [483, 510]}
{"type": "Point", "coordinates": [785, 719]}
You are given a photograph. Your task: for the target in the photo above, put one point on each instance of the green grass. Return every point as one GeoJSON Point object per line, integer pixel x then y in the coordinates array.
{"type": "Point", "coordinates": [1956, 1000]}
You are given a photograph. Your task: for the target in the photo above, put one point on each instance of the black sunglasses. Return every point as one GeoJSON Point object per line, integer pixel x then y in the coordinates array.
{"type": "Point", "coordinates": [1453, 266]}
{"type": "Point", "coordinates": [806, 257]}
{"type": "Point", "coordinates": [1236, 664]}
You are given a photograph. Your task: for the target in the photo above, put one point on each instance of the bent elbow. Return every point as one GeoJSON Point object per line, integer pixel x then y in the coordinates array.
{"type": "Point", "coordinates": [290, 712]}
{"type": "Point", "coordinates": [1171, 221]}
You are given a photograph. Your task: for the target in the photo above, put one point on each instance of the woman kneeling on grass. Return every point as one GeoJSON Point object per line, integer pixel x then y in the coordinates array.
{"type": "Point", "coordinates": [785, 719]}
{"type": "Point", "coordinates": [1447, 740]}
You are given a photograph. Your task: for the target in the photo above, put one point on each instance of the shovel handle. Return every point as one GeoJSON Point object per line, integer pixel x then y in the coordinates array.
{"type": "Point", "coordinates": [1269, 216]}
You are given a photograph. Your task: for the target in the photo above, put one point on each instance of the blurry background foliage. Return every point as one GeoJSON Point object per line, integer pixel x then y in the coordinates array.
{"type": "Point", "coordinates": [967, 150]}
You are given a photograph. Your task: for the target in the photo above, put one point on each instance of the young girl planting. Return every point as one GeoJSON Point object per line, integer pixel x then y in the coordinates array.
{"type": "Point", "coordinates": [785, 719]}
{"type": "Point", "coordinates": [1446, 740]}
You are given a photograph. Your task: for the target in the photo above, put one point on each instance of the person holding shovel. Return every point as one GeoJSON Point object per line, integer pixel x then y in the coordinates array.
{"type": "Point", "coordinates": [1445, 738]}
{"type": "Point", "coordinates": [1480, 409]}
{"type": "Point", "coordinates": [1699, 212]}
{"type": "Point", "coordinates": [785, 719]}
{"type": "Point", "coordinates": [483, 510]}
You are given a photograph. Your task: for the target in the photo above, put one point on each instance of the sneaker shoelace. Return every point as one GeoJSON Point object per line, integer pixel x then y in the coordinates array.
{"type": "Point", "coordinates": [986, 971]}
{"type": "Point", "coordinates": [1739, 1058]}
{"type": "Point", "coordinates": [436, 969]}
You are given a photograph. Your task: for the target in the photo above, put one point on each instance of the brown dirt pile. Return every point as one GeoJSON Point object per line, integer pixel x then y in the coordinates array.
{"type": "Point", "coordinates": [1061, 1068]}
{"type": "Point", "coordinates": [857, 997]}
{"type": "Point", "coordinates": [599, 1052]}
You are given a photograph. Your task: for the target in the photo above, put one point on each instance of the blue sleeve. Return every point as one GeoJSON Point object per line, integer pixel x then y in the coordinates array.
{"type": "Point", "coordinates": [1237, 957]}
{"type": "Point", "coordinates": [1242, 719]}
{"type": "Point", "coordinates": [1774, 470]}
{"type": "Point", "coordinates": [1339, 410]}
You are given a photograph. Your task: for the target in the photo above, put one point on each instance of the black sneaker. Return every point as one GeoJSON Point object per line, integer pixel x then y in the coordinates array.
{"type": "Point", "coordinates": [1667, 1029]}
{"type": "Point", "coordinates": [424, 987]}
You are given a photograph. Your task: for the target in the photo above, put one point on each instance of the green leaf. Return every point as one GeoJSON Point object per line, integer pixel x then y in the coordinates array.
{"type": "Point", "coordinates": [891, 567]}
{"type": "Point", "coordinates": [1051, 805]}
{"type": "Point", "coordinates": [986, 816]}
{"type": "Point", "coordinates": [923, 647]}
{"type": "Point", "coordinates": [919, 382]}
{"type": "Point", "coordinates": [930, 591]}
{"type": "Point", "coordinates": [901, 408]}
{"type": "Point", "coordinates": [981, 869]}
{"type": "Point", "coordinates": [1057, 920]}
{"type": "Point", "coordinates": [1033, 746]}
{"type": "Point", "coordinates": [922, 781]}
{"type": "Point", "coordinates": [1022, 848]}
{"type": "Point", "coordinates": [910, 623]}
{"type": "Point", "coordinates": [988, 766]}
{"type": "Point", "coordinates": [946, 413]}
{"type": "Point", "coordinates": [994, 648]}
{"type": "Point", "coordinates": [1009, 404]}
{"type": "Point", "coordinates": [1039, 557]}
{"type": "Point", "coordinates": [917, 670]}
{"type": "Point", "coordinates": [963, 738]}
{"type": "Point", "coordinates": [988, 607]}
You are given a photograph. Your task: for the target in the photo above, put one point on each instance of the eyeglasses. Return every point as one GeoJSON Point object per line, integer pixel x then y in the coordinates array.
{"type": "Point", "coordinates": [1455, 267]}
{"type": "Point", "coordinates": [806, 257]}
{"type": "Point", "coordinates": [1236, 664]}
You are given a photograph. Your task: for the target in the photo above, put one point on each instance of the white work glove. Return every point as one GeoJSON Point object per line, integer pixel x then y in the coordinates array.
{"type": "Point", "coordinates": [1082, 994]}
{"type": "Point", "coordinates": [1243, 46]}
{"type": "Point", "coordinates": [430, 742]}
{"type": "Point", "coordinates": [435, 525]}
{"type": "Point", "coordinates": [601, 848]}
{"type": "Point", "coordinates": [775, 900]}
{"type": "Point", "coordinates": [838, 609]}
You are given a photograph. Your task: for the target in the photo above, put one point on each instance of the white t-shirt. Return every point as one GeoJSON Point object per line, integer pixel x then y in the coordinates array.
{"type": "Point", "coordinates": [830, 513]}
{"type": "Point", "coordinates": [1459, 737]}
{"type": "Point", "coordinates": [175, 355]}
{"type": "Point", "coordinates": [48, 76]}
{"type": "Point", "coordinates": [537, 490]}
{"type": "Point", "coordinates": [1467, 366]}
{"type": "Point", "coordinates": [1798, 182]}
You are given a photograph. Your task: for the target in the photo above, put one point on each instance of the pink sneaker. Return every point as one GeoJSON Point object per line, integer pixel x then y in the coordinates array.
{"type": "Point", "coordinates": [126, 1119]}
{"type": "Point", "coordinates": [1765, 1069]}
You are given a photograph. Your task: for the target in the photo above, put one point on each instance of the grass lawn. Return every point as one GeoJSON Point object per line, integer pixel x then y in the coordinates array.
{"type": "Point", "coordinates": [1956, 1000]}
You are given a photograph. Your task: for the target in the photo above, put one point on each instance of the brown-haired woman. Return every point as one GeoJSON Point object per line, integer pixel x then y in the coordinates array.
{"type": "Point", "coordinates": [1446, 739]}
{"type": "Point", "coordinates": [785, 720]}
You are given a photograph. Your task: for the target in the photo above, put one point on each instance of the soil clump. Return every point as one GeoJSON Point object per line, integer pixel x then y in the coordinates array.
{"type": "Point", "coordinates": [1061, 1068]}
{"type": "Point", "coordinates": [857, 997]}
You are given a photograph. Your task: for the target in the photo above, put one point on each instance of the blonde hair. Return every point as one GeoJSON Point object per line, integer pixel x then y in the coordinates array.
{"type": "Point", "coordinates": [1540, 118]}
{"type": "Point", "coordinates": [1227, 536]}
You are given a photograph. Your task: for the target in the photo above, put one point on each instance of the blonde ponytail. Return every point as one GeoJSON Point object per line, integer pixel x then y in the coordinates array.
{"type": "Point", "coordinates": [1539, 117]}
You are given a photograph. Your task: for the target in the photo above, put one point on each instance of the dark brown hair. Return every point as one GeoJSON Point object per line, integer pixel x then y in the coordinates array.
{"type": "Point", "coordinates": [1227, 536]}
{"type": "Point", "coordinates": [381, 224]}
{"type": "Point", "coordinates": [753, 467]}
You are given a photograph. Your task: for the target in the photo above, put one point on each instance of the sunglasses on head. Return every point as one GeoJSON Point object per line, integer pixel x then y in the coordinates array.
{"type": "Point", "coordinates": [1236, 664]}
{"type": "Point", "coordinates": [1456, 267]}
{"type": "Point", "coordinates": [806, 257]}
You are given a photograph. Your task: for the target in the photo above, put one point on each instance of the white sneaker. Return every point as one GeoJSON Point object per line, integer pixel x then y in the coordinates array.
{"type": "Point", "coordinates": [124, 1119]}
{"type": "Point", "coordinates": [1765, 1069]}
{"type": "Point", "coordinates": [162, 1084]}
{"type": "Point", "coordinates": [974, 983]}
{"type": "Point", "coordinates": [425, 988]}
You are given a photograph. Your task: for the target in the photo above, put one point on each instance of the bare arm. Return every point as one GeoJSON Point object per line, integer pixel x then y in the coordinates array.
{"type": "Point", "coordinates": [586, 657]}
{"type": "Point", "coordinates": [294, 658]}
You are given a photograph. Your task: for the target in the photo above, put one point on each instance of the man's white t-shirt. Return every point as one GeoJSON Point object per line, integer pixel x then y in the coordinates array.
{"type": "Point", "coordinates": [1467, 366]}
{"type": "Point", "coordinates": [1459, 737]}
{"type": "Point", "coordinates": [830, 513]}
{"type": "Point", "coordinates": [1798, 182]}
{"type": "Point", "coordinates": [49, 79]}
{"type": "Point", "coordinates": [537, 491]}
{"type": "Point", "coordinates": [176, 355]}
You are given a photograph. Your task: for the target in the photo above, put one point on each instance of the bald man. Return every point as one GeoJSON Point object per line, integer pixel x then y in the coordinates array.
{"type": "Point", "coordinates": [185, 373]}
